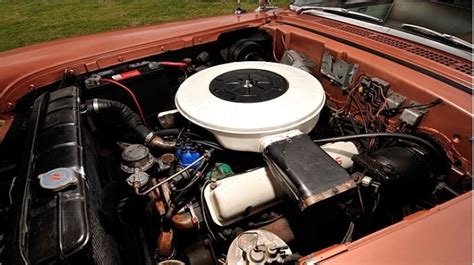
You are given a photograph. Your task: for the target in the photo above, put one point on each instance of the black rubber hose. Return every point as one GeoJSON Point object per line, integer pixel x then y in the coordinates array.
{"type": "Point", "coordinates": [127, 116]}
{"type": "Point", "coordinates": [403, 136]}
{"type": "Point", "coordinates": [168, 132]}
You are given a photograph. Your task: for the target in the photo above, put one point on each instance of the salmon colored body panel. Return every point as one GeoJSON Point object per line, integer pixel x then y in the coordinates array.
{"type": "Point", "coordinates": [456, 109]}
{"type": "Point", "coordinates": [442, 235]}
{"type": "Point", "coordinates": [442, 63]}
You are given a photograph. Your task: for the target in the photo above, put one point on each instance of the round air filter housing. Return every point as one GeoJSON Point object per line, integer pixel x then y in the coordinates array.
{"type": "Point", "coordinates": [242, 102]}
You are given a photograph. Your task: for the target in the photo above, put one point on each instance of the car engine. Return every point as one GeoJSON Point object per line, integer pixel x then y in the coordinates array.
{"type": "Point", "coordinates": [217, 154]}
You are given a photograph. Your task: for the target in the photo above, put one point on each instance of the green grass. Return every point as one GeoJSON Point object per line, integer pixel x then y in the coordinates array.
{"type": "Point", "coordinates": [27, 22]}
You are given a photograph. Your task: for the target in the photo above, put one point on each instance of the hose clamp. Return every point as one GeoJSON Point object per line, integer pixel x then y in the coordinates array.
{"type": "Point", "coordinates": [95, 105]}
{"type": "Point", "coordinates": [148, 138]}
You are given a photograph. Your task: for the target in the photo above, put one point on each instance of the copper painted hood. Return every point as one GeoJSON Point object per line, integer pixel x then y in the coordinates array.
{"type": "Point", "coordinates": [29, 68]}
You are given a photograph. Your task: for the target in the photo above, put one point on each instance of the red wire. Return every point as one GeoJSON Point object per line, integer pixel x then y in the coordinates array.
{"type": "Point", "coordinates": [132, 95]}
{"type": "Point", "coordinates": [174, 64]}
{"type": "Point", "coordinates": [129, 92]}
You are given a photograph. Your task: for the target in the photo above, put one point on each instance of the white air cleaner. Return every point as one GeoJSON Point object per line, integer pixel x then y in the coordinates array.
{"type": "Point", "coordinates": [267, 107]}
{"type": "Point", "coordinates": [244, 101]}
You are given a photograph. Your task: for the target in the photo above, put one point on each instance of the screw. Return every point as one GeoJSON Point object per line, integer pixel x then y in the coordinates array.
{"type": "Point", "coordinates": [31, 87]}
{"type": "Point", "coordinates": [120, 59]}
{"type": "Point", "coordinates": [456, 138]}
{"type": "Point", "coordinates": [335, 190]}
{"type": "Point", "coordinates": [9, 105]}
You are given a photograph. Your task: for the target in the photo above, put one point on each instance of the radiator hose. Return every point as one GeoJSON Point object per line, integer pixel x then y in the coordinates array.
{"type": "Point", "coordinates": [131, 120]}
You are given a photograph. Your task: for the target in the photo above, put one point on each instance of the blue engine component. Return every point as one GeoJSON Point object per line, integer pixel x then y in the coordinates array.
{"type": "Point", "coordinates": [186, 154]}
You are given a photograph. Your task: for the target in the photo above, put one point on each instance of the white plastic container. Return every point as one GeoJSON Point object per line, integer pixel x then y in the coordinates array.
{"type": "Point", "coordinates": [248, 193]}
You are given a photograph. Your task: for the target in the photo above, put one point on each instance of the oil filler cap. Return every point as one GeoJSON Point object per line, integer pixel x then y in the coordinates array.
{"type": "Point", "coordinates": [58, 179]}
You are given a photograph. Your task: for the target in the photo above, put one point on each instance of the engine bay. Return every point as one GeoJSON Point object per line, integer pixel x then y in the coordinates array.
{"type": "Point", "coordinates": [242, 151]}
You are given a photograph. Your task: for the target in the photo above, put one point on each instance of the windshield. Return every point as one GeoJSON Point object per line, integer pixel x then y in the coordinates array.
{"type": "Point", "coordinates": [451, 17]}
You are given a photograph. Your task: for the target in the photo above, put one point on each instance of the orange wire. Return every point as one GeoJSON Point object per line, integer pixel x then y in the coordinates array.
{"type": "Point", "coordinates": [132, 95]}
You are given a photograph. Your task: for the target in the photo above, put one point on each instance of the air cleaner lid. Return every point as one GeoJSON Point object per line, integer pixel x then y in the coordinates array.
{"type": "Point", "coordinates": [250, 97]}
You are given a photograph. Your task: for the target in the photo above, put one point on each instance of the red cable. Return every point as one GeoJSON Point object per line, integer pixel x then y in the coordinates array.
{"type": "Point", "coordinates": [129, 92]}
{"type": "Point", "coordinates": [132, 95]}
{"type": "Point", "coordinates": [174, 64]}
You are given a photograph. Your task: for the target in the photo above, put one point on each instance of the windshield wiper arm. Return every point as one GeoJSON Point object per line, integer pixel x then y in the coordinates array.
{"type": "Point", "coordinates": [339, 11]}
{"type": "Point", "coordinates": [426, 31]}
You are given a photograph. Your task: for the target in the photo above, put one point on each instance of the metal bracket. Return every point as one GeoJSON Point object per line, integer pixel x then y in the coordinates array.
{"type": "Point", "coordinates": [340, 72]}
{"type": "Point", "coordinates": [413, 116]}
{"type": "Point", "coordinates": [395, 100]}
